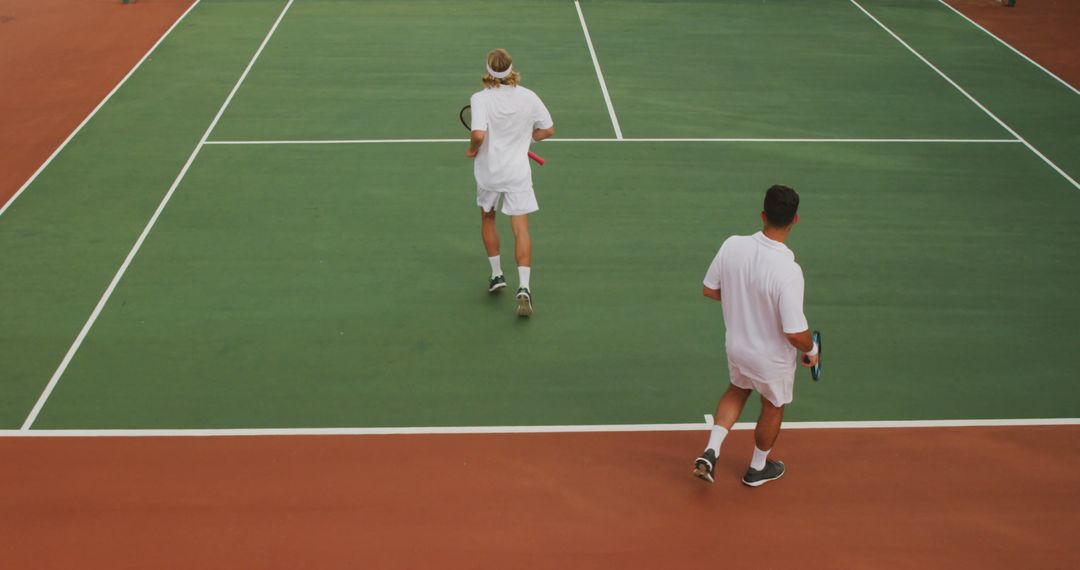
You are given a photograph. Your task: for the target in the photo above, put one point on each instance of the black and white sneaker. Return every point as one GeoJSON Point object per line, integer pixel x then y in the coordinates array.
{"type": "Point", "coordinates": [705, 466]}
{"type": "Point", "coordinates": [524, 303]}
{"type": "Point", "coordinates": [756, 478]}
{"type": "Point", "coordinates": [496, 283]}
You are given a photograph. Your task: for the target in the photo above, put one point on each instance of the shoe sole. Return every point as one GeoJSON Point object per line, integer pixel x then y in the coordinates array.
{"type": "Point", "coordinates": [763, 481]}
{"type": "Point", "coordinates": [701, 471]}
{"type": "Point", "coordinates": [524, 308]}
{"type": "Point", "coordinates": [496, 288]}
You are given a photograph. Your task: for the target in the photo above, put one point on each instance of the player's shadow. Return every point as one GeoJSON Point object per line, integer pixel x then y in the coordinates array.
{"type": "Point", "coordinates": [496, 300]}
{"type": "Point", "coordinates": [504, 304]}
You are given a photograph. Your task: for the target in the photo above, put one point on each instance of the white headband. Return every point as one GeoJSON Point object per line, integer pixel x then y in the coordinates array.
{"type": "Point", "coordinates": [499, 74]}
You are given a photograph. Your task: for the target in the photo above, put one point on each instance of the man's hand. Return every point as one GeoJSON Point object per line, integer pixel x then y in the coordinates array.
{"type": "Point", "coordinates": [471, 153]}
{"type": "Point", "coordinates": [810, 356]}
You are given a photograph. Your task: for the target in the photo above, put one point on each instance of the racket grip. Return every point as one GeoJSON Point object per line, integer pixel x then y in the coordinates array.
{"type": "Point", "coordinates": [534, 156]}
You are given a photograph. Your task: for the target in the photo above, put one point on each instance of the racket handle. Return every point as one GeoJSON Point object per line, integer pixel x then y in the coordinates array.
{"type": "Point", "coordinates": [538, 160]}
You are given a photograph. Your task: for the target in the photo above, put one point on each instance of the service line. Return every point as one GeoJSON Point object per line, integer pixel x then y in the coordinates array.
{"type": "Point", "coordinates": [599, 74]}
{"type": "Point", "coordinates": [625, 140]}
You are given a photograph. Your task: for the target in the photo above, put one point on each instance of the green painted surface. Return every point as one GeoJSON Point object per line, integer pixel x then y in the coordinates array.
{"type": "Point", "coordinates": [1037, 106]}
{"type": "Point", "coordinates": [387, 69]}
{"type": "Point", "coordinates": [308, 286]}
{"type": "Point", "coordinates": [344, 286]}
{"type": "Point", "coordinates": [792, 69]}
{"type": "Point", "coordinates": [63, 239]}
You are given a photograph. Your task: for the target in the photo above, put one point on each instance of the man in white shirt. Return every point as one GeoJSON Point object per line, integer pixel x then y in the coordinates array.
{"type": "Point", "coordinates": [506, 119]}
{"type": "Point", "coordinates": [760, 288]}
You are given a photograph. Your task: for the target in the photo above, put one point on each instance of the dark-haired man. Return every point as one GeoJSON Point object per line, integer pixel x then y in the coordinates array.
{"type": "Point", "coordinates": [761, 289]}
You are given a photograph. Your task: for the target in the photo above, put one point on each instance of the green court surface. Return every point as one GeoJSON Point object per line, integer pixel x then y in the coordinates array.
{"type": "Point", "coordinates": [342, 285]}
{"type": "Point", "coordinates": [387, 69]}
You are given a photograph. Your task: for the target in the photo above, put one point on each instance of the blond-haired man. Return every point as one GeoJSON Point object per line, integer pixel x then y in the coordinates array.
{"type": "Point", "coordinates": [506, 119]}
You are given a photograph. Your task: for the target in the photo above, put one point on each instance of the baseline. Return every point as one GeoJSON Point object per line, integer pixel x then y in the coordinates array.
{"type": "Point", "coordinates": [437, 430]}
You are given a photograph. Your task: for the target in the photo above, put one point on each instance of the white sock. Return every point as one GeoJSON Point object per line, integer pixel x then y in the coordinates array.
{"type": "Point", "coordinates": [496, 267]}
{"type": "Point", "coordinates": [716, 439]}
{"type": "Point", "coordinates": [523, 276]}
{"type": "Point", "coordinates": [758, 462]}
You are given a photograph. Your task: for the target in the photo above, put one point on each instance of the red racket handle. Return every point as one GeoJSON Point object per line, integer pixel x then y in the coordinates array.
{"type": "Point", "coordinates": [538, 160]}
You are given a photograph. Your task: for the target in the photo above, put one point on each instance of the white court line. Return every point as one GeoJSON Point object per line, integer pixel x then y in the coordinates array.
{"type": "Point", "coordinates": [968, 95]}
{"type": "Point", "coordinates": [29, 181]}
{"type": "Point", "coordinates": [806, 140]}
{"type": "Point", "coordinates": [142, 237]}
{"type": "Point", "coordinates": [599, 74]}
{"type": "Point", "coordinates": [610, 140]}
{"type": "Point", "coordinates": [1016, 51]}
{"type": "Point", "coordinates": [342, 141]}
{"type": "Point", "coordinates": [610, 428]}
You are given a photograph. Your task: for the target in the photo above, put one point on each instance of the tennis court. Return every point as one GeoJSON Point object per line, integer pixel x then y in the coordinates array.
{"type": "Point", "coordinates": [269, 229]}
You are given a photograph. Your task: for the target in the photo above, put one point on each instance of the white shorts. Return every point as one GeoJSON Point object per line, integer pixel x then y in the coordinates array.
{"type": "Point", "coordinates": [779, 392]}
{"type": "Point", "coordinates": [513, 203]}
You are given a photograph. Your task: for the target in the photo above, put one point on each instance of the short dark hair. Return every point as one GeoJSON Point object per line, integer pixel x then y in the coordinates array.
{"type": "Point", "coordinates": [781, 205]}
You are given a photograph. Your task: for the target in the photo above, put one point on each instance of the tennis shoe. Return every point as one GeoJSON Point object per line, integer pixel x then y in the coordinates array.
{"type": "Point", "coordinates": [496, 283]}
{"type": "Point", "coordinates": [756, 478]}
{"type": "Point", "coordinates": [524, 303]}
{"type": "Point", "coordinates": [705, 466]}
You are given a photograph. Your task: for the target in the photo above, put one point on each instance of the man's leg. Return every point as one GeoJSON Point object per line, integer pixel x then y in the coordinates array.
{"type": "Point", "coordinates": [731, 406]}
{"type": "Point", "coordinates": [523, 254]}
{"type": "Point", "coordinates": [765, 433]}
{"type": "Point", "coordinates": [727, 412]}
{"type": "Point", "coordinates": [490, 234]}
{"type": "Point", "coordinates": [522, 241]}
{"type": "Point", "coordinates": [768, 425]}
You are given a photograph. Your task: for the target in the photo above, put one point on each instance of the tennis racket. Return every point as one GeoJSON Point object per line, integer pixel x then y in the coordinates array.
{"type": "Point", "coordinates": [466, 119]}
{"type": "Point", "coordinates": [815, 370]}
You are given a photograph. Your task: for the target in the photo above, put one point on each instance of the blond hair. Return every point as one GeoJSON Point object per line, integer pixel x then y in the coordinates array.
{"type": "Point", "coordinates": [500, 60]}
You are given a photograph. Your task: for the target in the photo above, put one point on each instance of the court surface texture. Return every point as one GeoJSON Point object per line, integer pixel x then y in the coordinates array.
{"type": "Point", "coordinates": [246, 317]}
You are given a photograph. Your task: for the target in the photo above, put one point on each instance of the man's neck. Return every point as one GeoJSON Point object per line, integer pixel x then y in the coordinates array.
{"type": "Point", "coordinates": [776, 234]}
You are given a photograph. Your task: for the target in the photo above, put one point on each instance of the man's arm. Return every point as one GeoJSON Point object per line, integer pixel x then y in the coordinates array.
{"type": "Point", "coordinates": [475, 140]}
{"type": "Point", "coordinates": [792, 317]}
{"type": "Point", "coordinates": [801, 340]}
{"type": "Point", "coordinates": [711, 283]}
{"type": "Point", "coordinates": [805, 343]}
{"type": "Point", "coordinates": [541, 117]}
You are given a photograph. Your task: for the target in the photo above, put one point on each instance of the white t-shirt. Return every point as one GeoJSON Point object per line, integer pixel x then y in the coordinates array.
{"type": "Point", "coordinates": [761, 289]}
{"type": "Point", "coordinates": [509, 115]}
